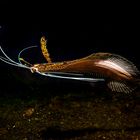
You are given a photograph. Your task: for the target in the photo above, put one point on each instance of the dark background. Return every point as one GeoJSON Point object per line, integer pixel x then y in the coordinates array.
{"type": "Point", "coordinates": [66, 44]}
{"type": "Point", "coordinates": [73, 30]}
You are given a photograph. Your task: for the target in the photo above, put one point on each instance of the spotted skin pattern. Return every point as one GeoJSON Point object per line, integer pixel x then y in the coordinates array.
{"type": "Point", "coordinates": [43, 43]}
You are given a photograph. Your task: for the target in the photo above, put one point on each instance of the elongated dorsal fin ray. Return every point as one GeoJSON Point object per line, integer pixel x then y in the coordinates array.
{"type": "Point", "coordinates": [43, 43]}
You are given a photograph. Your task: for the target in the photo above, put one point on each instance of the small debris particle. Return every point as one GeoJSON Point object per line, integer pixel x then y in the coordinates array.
{"type": "Point", "coordinates": [28, 112]}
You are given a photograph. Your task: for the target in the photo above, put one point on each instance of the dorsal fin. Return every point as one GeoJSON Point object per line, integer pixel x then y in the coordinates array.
{"type": "Point", "coordinates": [125, 64]}
{"type": "Point", "coordinates": [118, 60]}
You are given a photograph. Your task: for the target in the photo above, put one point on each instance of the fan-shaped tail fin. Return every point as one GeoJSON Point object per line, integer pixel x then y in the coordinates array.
{"type": "Point", "coordinates": [117, 86]}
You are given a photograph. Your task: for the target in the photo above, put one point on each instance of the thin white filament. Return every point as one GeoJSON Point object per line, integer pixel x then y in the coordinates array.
{"type": "Point", "coordinates": [24, 50]}
{"type": "Point", "coordinates": [5, 59]}
{"type": "Point", "coordinates": [73, 78]}
{"type": "Point", "coordinates": [8, 57]}
{"type": "Point", "coordinates": [9, 62]}
{"type": "Point", "coordinates": [64, 73]}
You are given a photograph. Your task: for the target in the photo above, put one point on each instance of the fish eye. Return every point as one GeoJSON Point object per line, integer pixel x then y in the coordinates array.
{"type": "Point", "coordinates": [33, 69]}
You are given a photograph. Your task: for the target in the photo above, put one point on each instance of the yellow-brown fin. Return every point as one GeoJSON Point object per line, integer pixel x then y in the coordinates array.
{"type": "Point", "coordinates": [43, 43]}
